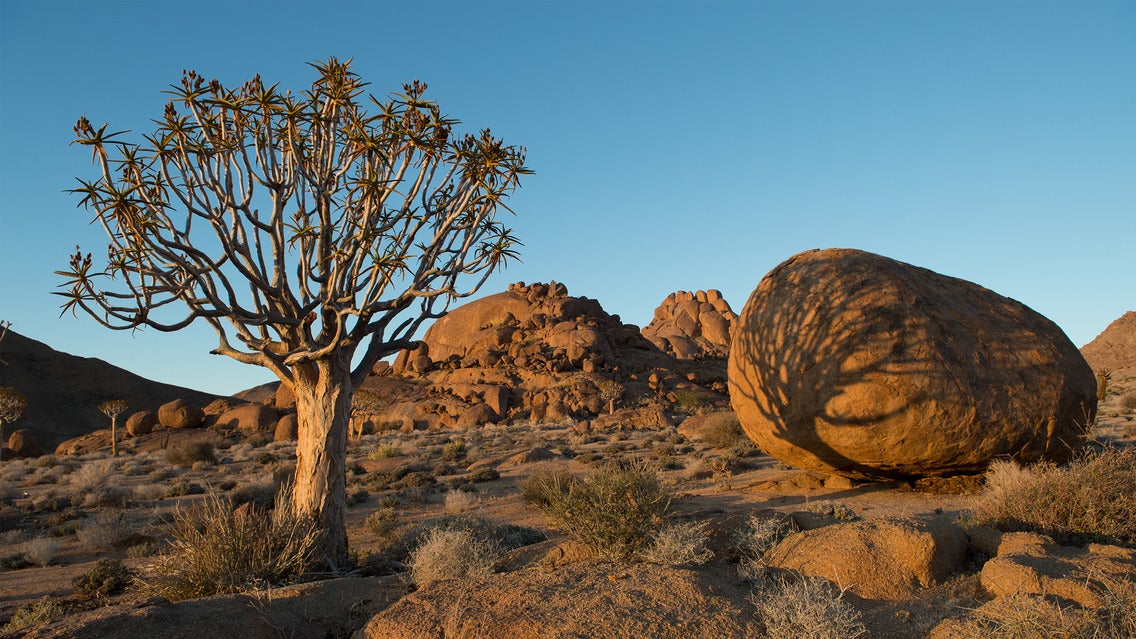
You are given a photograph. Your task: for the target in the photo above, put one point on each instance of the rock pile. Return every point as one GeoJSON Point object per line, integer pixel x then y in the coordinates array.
{"type": "Point", "coordinates": [534, 352]}
{"type": "Point", "coordinates": [851, 363]}
{"type": "Point", "coordinates": [689, 325]}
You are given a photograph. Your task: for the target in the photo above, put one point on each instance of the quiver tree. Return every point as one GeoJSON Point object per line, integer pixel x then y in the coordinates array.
{"type": "Point", "coordinates": [310, 234]}
{"type": "Point", "coordinates": [113, 409]}
{"type": "Point", "coordinates": [610, 391]}
{"type": "Point", "coordinates": [12, 405]}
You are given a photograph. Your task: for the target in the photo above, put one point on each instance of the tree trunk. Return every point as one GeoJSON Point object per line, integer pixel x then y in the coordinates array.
{"type": "Point", "coordinates": [113, 436]}
{"type": "Point", "coordinates": [323, 410]}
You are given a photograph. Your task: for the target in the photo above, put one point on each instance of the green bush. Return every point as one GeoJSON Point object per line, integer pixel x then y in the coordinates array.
{"type": "Point", "coordinates": [1093, 499]}
{"type": "Point", "coordinates": [40, 612]}
{"type": "Point", "coordinates": [108, 577]}
{"type": "Point", "coordinates": [615, 512]}
{"type": "Point", "coordinates": [218, 549]}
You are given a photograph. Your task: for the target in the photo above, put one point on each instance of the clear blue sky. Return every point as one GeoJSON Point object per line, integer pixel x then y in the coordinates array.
{"type": "Point", "coordinates": [678, 145]}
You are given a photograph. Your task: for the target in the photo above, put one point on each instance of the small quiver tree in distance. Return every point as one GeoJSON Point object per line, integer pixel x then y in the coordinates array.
{"type": "Point", "coordinates": [310, 234]}
{"type": "Point", "coordinates": [113, 409]}
{"type": "Point", "coordinates": [12, 406]}
{"type": "Point", "coordinates": [610, 391]}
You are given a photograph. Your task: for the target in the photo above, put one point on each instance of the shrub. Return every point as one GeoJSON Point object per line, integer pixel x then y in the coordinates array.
{"type": "Point", "coordinates": [690, 401]}
{"type": "Point", "coordinates": [186, 454]}
{"type": "Point", "coordinates": [386, 451]}
{"type": "Point", "coordinates": [679, 544]}
{"type": "Point", "coordinates": [545, 486]}
{"type": "Point", "coordinates": [808, 608]}
{"type": "Point", "coordinates": [458, 501]}
{"type": "Point", "coordinates": [41, 612]}
{"type": "Point", "coordinates": [1128, 402]}
{"type": "Point", "coordinates": [382, 522]}
{"type": "Point", "coordinates": [833, 509]}
{"type": "Point", "coordinates": [104, 531]}
{"type": "Point", "coordinates": [15, 561]}
{"type": "Point", "coordinates": [262, 494]}
{"type": "Point", "coordinates": [1091, 499]}
{"type": "Point", "coordinates": [759, 535]}
{"type": "Point", "coordinates": [108, 577]}
{"type": "Point", "coordinates": [92, 476]}
{"type": "Point", "coordinates": [219, 549]}
{"type": "Point", "coordinates": [41, 550]}
{"type": "Point", "coordinates": [453, 451]}
{"type": "Point", "coordinates": [452, 554]}
{"type": "Point", "coordinates": [723, 430]}
{"type": "Point", "coordinates": [615, 512]}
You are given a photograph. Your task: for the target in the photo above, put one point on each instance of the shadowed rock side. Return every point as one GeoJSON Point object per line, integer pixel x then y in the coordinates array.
{"type": "Point", "coordinates": [852, 363]}
{"type": "Point", "coordinates": [689, 325]}
{"type": "Point", "coordinates": [1115, 347]}
{"type": "Point", "coordinates": [64, 391]}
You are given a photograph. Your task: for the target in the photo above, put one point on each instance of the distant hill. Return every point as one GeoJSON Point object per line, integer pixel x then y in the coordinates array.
{"type": "Point", "coordinates": [64, 391]}
{"type": "Point", "coordinates": [1114, 348]}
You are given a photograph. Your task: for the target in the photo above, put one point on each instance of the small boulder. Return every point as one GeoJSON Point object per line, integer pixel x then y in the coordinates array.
{"type": "Point", "coordinates": [852, 363]}
{"type": "Point", "coordinates": [141, 423]}
{"type": "Point", "coordinates": [876, 559]}
{"type": "Point", "coordinates": [476, 415]}
{"type": "Point", "coordinates": [180, 414]}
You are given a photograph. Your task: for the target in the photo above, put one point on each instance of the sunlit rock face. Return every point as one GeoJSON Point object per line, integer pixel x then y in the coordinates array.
{"type": "Point", "coordinates": [852, 363]}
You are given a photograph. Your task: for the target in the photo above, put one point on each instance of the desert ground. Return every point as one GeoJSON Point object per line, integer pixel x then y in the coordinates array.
{"type": "Point", "coordinates": [63, 513]}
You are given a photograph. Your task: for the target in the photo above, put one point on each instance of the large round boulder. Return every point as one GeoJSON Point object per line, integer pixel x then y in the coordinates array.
{"type": "Point", "coordinates": [180, 414]}
{"type": "Point", "coordinates": [250, 418]}
{"type": "Point", "coordinates": [852, 363]}
{"type": "Point", "coordinates": [24, 443]}
{"type": "Point", "coordinates": [141, 423]}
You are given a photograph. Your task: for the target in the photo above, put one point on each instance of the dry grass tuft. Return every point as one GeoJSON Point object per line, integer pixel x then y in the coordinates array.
{"type": "Point", "coordinates": [218, 549]}
{"type": "Point", "coordinates": [452, 554]}
{"type": "Point", "coordinates": [1093, 499]}
{"type": "Point", "coordinates": [1032, 617]}
{"type": "Point", "coordinates": [723, 430]}
{"type": "Point", "coordinates": [681, 544]}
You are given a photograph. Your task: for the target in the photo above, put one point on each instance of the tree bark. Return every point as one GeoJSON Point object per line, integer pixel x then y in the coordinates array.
{"type": "Point", "coordinates": [323, 410]}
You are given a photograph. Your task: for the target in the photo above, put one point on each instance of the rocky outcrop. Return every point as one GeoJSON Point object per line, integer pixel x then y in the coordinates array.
{"type": "Point", "coordinates": [180, 414]}
{"type": "Point", "coordinates": [852, 363]}
{"type": "Point", "coordinates": [535, 353]}
{"type": "Point", "coordinates": [1115, 347]}
{"type": "Point", "coordinates": [689, 325]}
{"type": "Point", "coordinates": [876, 559]}
{"type": "Point", "coordinates": [600, 601]}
